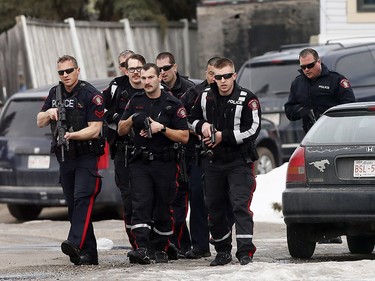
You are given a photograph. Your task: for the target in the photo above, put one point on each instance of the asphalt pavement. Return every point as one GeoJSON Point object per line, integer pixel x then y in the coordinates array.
{"type": "Point", "coordinates": [31, 251]}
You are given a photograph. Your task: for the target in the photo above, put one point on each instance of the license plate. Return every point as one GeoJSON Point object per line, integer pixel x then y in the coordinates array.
{"type": "Point", "coordinates": [38, 162]}
{"type": "Point", "coordinates": [364, 168]}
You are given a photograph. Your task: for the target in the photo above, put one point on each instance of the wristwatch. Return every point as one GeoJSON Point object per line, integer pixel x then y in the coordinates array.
{"type": "Point", "coordinates": [164, 129]}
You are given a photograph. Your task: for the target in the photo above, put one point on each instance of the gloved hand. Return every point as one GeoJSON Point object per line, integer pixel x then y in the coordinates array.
{"type": "Point", "coordinates": [138, 120]}
{"type": "Point", "coordinates": [306, 114]}
{"type": "Point", "coordinates": [109, 116]}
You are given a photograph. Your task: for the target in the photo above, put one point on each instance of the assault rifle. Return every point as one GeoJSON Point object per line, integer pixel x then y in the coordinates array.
{"type": "Point", "coordinates": [147, 127]}
{"type": "Point", "coordinates": [62, 126]}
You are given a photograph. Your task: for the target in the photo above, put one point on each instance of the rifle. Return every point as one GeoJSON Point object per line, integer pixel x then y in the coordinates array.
{"type": "Point", "coordinates": [62, 126]}
{"type": "Point", "coordinates": [147, 128]}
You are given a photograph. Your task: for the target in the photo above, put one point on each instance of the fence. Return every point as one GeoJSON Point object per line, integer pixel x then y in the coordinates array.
{"type": "Point", "coordinates": [29, 51]}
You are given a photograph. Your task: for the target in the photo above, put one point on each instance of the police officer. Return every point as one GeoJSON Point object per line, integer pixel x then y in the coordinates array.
{"type": "Point", "coordinates": [116, 96]}
{"type": "Point", "coordinates": [227, 116]}
{"type": "Point", "coordinates": [159, 122]}
{"type": "Point", "coordinates": [315, 90]}
{"type": "Point", "coordinates": [75, 111]}
{"type": "Point", "coordinates": [198, 214]}
{"type": "Point", "coordinates": [177, 85]}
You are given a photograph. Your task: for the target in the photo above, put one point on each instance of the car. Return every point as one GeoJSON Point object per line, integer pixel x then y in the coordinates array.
{"type": "Point", "coordinates": [330, 182]}
{"type": "Point", "coordinates": [270, 75]}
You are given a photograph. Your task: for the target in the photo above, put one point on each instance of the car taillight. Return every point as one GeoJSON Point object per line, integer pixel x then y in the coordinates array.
{"type": "Point", "coordinates": [296, 168]}
{"type": "Point", "coordinates": [104, 159]}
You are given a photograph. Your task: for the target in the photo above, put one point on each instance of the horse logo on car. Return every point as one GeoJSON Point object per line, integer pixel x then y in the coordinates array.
{"type": "Point", "coordinates": [320, 165]}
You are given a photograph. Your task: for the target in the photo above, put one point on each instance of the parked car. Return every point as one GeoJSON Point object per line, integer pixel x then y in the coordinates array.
{"type": "Point", "coordinates": [330, 182]}
{"type": "Point", "coordinates": [29, 173]}
{"type": "Point", "coordinates": [269, 76]}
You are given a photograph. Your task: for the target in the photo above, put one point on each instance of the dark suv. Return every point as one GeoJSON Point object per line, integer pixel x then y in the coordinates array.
{"type": "Point", "coordinates": [269, 76]}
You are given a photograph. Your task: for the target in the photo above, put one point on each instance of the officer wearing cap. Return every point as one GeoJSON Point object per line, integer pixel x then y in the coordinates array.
{"type": "Point", "coordinates": [75, 111]}
{"type": "Point", "coordinates": [159, 122]}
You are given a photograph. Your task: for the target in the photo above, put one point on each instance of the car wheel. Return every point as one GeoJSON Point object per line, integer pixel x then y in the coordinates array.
{"type": "Point", "coordinates": [24, 212]}
{"type": "Point", "coordinates": [360, 244]}
{"type": "Point", "coordinates": [298, 244]}
{"type": "Point", "coordinates": [266, 161]}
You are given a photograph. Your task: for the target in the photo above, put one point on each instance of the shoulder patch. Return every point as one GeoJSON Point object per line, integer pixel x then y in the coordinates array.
{"type": "Point", "coordinates": [253, 104]}
{"type": "Point", "coordinates": [345, 83]}
{"type": "Point", "coordinates": [97, 99]}
{"type": "Point", "coordinates": [181, 112]}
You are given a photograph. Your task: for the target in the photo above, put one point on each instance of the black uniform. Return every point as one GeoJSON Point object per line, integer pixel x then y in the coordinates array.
{"type": "Point", "coordinates": [79, 175]}
{"type": "Point", "coordinates": [198, 213]}
{"type": "Point", "coordinates": [229, 171]}
{"type": "Point", "coordinates": [180, 205]}
{"type": "Point", "coordinates": [327, 90]}
{"type": "Point", "coordinates": [153, 170]}
{"type": "Point", "coordinates": [116, 96]}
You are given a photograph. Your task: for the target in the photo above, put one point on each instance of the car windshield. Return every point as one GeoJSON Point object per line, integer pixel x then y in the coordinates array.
{"type": "Point", "coordinates": [268, 79]}
{"type": "Point", "coordinates": [19, 119]}
{"type": "Point", "coordinates": [342, 130]}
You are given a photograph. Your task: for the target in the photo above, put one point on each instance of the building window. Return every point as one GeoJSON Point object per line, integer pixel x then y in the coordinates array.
{"type": "Point", "coordinates": [365, 6]}
{"type": "Point", "coordinates": [360, 11]}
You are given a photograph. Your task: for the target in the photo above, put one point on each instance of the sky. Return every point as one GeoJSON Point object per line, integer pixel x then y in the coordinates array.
{"type": "Point", "coordinates": [269, 190]}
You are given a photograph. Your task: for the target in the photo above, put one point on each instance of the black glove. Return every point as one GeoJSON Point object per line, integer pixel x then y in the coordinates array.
{"type": "Point", "coordinates": [306, 114]}
{"type": "Point", "coordinates": [138, 120]}
{"type": "Point", "coordinates": [109, 116]}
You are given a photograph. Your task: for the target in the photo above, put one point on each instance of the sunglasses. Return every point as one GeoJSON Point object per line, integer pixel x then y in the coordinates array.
{"type": "Point", "coordinates": [68, 71]}
{"type": "Point", "coordinates": [166, 67]}
{"type": "Point", "coordinates": [225, 76]}
{"type": "Point", "coordinates": [122, 64]}
{"type": "Point", "coordinates": [308, 66]}
{"type": "Point", "coordinates": [134, 69]}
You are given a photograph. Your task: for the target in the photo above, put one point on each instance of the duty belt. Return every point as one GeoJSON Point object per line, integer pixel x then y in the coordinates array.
{"type": "Point", "coordinates": [147, 156]}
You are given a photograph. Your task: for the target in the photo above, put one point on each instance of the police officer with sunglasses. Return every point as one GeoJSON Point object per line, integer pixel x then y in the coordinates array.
{"type": "Point", "coordinates": [177, 84]}
{"type": "Point", "coordinates": [228, 118]}
{"type": "Point", "coordinates": [74, 109]}
{"type": "Point", "coordinates": [315, 90]}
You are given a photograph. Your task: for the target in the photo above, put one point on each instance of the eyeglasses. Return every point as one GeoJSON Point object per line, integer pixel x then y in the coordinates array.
{"type": "Point", "coordinates": [308, 66]}
{"type": "Point", "coordinates": [68, 71]}
{"type": "Point", "coordinates": [225, 76]}
{"type": "Point", "coordinates": [122, 64]}
{"type": "Point", "coordinates": [166, 67]}
{"type": "Point", "coordinates": [134, 69]}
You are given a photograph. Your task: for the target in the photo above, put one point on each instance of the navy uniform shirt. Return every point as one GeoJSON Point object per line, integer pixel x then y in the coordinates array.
{"type": "Point", "coordinates": [166, 110]}
{"type": "Point", "coordinates": [84, 99]}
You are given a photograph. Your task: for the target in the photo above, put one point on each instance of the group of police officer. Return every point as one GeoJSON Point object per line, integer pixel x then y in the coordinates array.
{"type": "Point", "coordinates": [172, 142]}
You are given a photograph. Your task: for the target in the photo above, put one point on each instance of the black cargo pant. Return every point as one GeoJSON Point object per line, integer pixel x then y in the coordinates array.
{"type": "Point", "coordinates": [81, 184]}
{"type": "Point", "coordinates": [123, 183]}
{"type": "Point", "coordinates": [233, 180]}
{"type": "Point", "coordinates": [152, 188]}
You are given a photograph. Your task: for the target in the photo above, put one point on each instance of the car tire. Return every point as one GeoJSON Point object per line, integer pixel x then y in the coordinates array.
{"type": "Point", "coordinates": [360, 244]}
{"type": "Point", "coordinates": [24, 212]}
{"type": "Point", "coordinates": [299, 245]}
{"type": "Point", "coordinates": [266, 161]}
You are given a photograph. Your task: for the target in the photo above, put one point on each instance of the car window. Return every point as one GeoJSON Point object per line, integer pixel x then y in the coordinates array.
{"type": "Point", "coordinates": [19, 119]}
{"type": "Point", "coordinates": [359, 68]}
{"type": "Point", "coordinates": [342, 130]}
{"type": "Point", "coordinates": [268, 79]}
